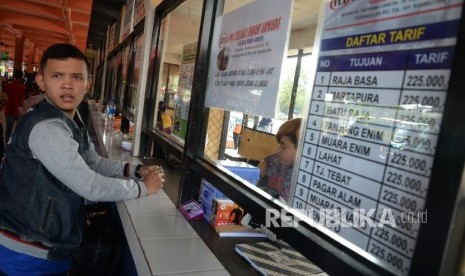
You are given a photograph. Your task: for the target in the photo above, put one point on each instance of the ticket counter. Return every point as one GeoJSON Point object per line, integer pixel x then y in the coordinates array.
{"type": "Point", "coordinates": [159, 239]}
{"type": "Point", "coordinates": [383, 129]}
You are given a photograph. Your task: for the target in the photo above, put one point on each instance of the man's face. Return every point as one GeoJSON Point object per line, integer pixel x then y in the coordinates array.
{"type": "Point", "coordinates": [65, 83]}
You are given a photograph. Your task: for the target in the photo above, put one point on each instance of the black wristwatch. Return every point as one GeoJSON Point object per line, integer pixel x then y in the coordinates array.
{"type": "Point", "coordinates": [136, 173]}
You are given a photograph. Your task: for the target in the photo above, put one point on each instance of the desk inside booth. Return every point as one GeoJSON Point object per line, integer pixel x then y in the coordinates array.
{"type": "Point", "coordinates": [233, 155]}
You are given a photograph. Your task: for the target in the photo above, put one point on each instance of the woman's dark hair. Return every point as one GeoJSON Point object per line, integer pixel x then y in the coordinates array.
{"type": "Point", "coordinates": [63, 51]}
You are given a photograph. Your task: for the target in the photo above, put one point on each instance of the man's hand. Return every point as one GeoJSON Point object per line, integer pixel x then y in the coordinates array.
{"type": "Point", "coordinates": [154, 180]}
{"type": "Point", "coordinates": [146, 170]}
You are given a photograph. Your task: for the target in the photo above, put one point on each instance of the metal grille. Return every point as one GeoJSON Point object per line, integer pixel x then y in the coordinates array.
{"type": "Point", "coordinates": [213, 140]}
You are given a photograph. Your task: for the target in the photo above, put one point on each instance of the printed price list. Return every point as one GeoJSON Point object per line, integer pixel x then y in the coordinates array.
{"type": "Point", "coordinates": [369, 145]}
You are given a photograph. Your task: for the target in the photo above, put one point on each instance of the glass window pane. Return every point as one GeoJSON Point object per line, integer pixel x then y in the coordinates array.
{"type": "Point", "coordinates": [257, 139]}
{"type": "Point", "coordinates": [178, 41]}
{"type": "Point", "coordinates": [133, 92]}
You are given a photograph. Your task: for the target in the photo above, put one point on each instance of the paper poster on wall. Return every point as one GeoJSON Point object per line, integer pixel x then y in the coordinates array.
{"type": "Point", "coordinates": [139, 11]}
{"type": "Point", "coordinates": [128, 19]}
{"type": "Point", "coordinates": [186, 75]}
{"type": "Point", "coordinates": [374, 120]}
{"type": "Point", "coordinates": [111, 37]}
{"type": "Point", "coordinates": [119, 26]}
{"type": "Point", "coordinates": [247, 53]}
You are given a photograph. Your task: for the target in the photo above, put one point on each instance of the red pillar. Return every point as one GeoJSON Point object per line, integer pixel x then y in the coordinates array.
{"type": "Point", "coordinates": [19, 49]}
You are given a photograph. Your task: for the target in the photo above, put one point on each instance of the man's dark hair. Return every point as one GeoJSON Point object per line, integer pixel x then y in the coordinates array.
{"type": "Point", "coordinates": [17, 74]}
{"type": "Point", "coordinates": [63, 51]}
{"type": "Point", "coordinates": [162, 106]}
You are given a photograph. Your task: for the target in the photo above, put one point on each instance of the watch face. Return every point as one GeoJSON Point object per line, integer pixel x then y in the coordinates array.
{"type": "Point", "coordinates": [137, 172]}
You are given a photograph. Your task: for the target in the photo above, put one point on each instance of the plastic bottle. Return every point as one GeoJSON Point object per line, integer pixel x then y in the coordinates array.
{"type": "Point", "coordinates": [107, 114]}
{"type": "Point", "coordinates": [111, 111]}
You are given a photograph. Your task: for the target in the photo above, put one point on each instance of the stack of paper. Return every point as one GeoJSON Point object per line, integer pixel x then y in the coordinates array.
{"type": "Point", "coordinates": [237, 230]}
{"type": "Point", "coordinates": [277, 258]}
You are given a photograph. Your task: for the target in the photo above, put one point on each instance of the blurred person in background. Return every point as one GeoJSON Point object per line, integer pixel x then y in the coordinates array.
{"type": "Point", "coordinates": [164, 120]}
{"type": "Point", "coordinates": [16, 105]}
{"type": "Point", "coordinates": [3, 141]}
{"type": "Point", "coordinates": [237, 135]}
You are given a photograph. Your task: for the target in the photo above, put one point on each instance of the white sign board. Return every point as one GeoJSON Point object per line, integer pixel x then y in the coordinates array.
{"type": "Point", "coordinates": [247, 53]}
{"type": "Point", "coordinates": [373, 123]}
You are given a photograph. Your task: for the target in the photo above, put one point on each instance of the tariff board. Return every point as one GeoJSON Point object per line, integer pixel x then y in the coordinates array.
{"type": "Point", "coordinates": [375, 115]}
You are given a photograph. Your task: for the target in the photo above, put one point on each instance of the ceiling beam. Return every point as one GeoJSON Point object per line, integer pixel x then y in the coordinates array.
{"type": "Point", "coordinates": [66, 17]}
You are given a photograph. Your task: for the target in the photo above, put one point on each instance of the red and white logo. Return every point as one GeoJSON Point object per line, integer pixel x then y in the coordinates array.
{"type": "Point", "coordinates": [339, 4]}
{"type": "Point", "coordinates": [223, 40]}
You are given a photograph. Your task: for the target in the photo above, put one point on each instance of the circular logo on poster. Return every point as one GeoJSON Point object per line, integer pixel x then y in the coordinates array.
{"type": "Point", "coordinates": [222, 59]}
{"type": "Point", "coordinates": [339, 4]}
{"type": "Point", "coordinates": [223, 40]}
